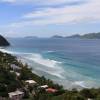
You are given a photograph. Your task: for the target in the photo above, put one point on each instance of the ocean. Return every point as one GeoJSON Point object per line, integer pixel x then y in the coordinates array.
{"type": "Point", "coordinates": [73, 63]}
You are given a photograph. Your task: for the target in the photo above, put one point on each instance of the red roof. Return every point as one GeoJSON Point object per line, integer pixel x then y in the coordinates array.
{"type": "Point", "coordinates": [51, 90]}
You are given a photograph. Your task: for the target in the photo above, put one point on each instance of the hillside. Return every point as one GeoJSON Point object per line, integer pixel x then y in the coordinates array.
{"type": "Point", "coordinates": [15, 77]}
{"type": "Point", "coordinates": [57, 36]}
{"type": "Point", "coordinates": [85, 36]}
{"type": "Point", "coordinates": [3, 41]}
{"type": "Point", "coordinates": [92, 36]}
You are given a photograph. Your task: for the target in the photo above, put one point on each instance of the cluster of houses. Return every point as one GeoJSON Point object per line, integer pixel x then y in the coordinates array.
{"type": "Point", "coordinates": [18, 94]}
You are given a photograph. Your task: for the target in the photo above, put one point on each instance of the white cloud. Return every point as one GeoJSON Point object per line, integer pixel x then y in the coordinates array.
{"type": "Point", "coordinates": [41, 2]}
{"type": "Point", "coordinates": [89, 12]}
{"type": "Point", "coordinates": [9, 1]}
{"type": "Point", "coordinates": [86, 13]}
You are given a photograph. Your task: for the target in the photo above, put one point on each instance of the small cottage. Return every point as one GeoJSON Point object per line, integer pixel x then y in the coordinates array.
{"type": "Point", "coordinates": [17, 95]}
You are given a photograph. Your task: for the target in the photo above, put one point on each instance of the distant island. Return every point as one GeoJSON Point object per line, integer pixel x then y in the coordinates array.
{"type": "Point", "coordinates": [85, 36]}
{"type": "Point", "coordinates": [92, 36]}
{"type": "Point", "coordinates": [31, 37]}
{"type": "Point", "coordinates": [57, 36]}
{"type": "Point", "coordinates": [3, 41]}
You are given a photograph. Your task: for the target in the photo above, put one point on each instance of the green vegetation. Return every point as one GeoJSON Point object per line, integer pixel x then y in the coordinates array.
{"type": "Point", "coordinates": [84, 94]}
{"type": "Point", "coordinates": [9, 82]}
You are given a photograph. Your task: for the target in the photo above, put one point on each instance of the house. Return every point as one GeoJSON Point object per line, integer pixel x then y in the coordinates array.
{"type": "Point", "coordinates": [90, 99]}
{"type": "Point", "coordinates": [44, 86]}
{"type": "Point", "coordinates": [11, 71]}
{"type": "Point", "coordinates": [14, 67]}
{"type": "Point", "coordinates": [51, 90]}
{"type": "Point", "coordinates": [17, 95]}
{"type": "Point", "coordinates": [30, 82]}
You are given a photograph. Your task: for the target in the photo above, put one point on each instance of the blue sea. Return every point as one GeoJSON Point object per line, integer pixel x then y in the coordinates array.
{"type": "Point", "coordinates": [73, 63]}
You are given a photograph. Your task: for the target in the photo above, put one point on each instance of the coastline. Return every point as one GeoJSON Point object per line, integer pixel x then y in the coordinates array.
{"type": "Point", "coordinates": [65, 83]}
{"type": "Point", "coordinates": [22, 73]}
{"type": "Point", "coordinates": [41, 67]}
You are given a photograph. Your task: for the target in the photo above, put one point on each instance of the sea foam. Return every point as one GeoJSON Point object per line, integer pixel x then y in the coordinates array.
{"type": "Point", "coordinates": [49, 66]}
{"type": "Point", "coordinates": [80, 83]}
{"type": "Point", "coordinates": [7, 51]}
{"type": "Point", "coordinates": [46, 62]}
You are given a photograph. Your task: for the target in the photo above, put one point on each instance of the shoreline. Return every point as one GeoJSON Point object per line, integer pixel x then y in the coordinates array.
{"type": "Point", "coordinates": [20, 73]}
{"type": "Point", "coordinates": [79, 85]}
{"type": "Point", "coordinates": [40, 73]}
{"type": "Point", "coordinates": [67, 85]}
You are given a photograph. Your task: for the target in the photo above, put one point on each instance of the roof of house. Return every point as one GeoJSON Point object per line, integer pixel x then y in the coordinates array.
{"type": "Point", "coordinates": [16, 93]}
{"type": "Point", "coordinates": [12, 71]}
{"type": "Point", "coordinates": [30, 81]}
{"type": "Point", "coordinates": [51, 90]}
{"type": "Point", "coordinates": [90, 99]}
{"type": "Point", "coordinates": [44, 86]}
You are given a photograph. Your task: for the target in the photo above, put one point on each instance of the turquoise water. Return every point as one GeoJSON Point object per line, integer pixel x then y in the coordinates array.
{"type": "Point", "coordinates": [70, 62]}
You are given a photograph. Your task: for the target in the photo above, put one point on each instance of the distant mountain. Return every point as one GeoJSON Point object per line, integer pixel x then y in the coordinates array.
{"type": "Point", "coordinates": [3, 41]}
{"type": "Point", "coordinates": [85, 36]}
{"type": "Point", "coordinates": [74, 36]}
{"type": "Point", "coordinates": [30, 37]}
{"type": "Point", "coordinates": [57, 36]}
{"type": "Point", "coordinates": [92, 36]}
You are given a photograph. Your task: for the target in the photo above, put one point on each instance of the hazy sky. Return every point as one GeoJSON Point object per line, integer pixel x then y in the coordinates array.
{"type": "Point", "coordinates": [48, 17]}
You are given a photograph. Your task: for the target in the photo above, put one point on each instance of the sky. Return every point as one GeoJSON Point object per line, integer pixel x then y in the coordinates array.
{"type": "Point", "coordinates": [44, 18]}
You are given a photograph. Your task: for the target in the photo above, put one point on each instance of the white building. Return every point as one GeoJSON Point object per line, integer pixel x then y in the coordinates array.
{"type": "Point", "coordinates": [17, 95]}
{"type": "Point", "coordinates": [30, 82]}
{"type": "Point", "coordinates": [44, 86]}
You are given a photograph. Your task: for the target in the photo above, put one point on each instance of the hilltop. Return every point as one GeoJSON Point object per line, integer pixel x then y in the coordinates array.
{"type": "Point", "coordinates": [85, 36]}
{"type": "Point", "coordinates": [3, 41]}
